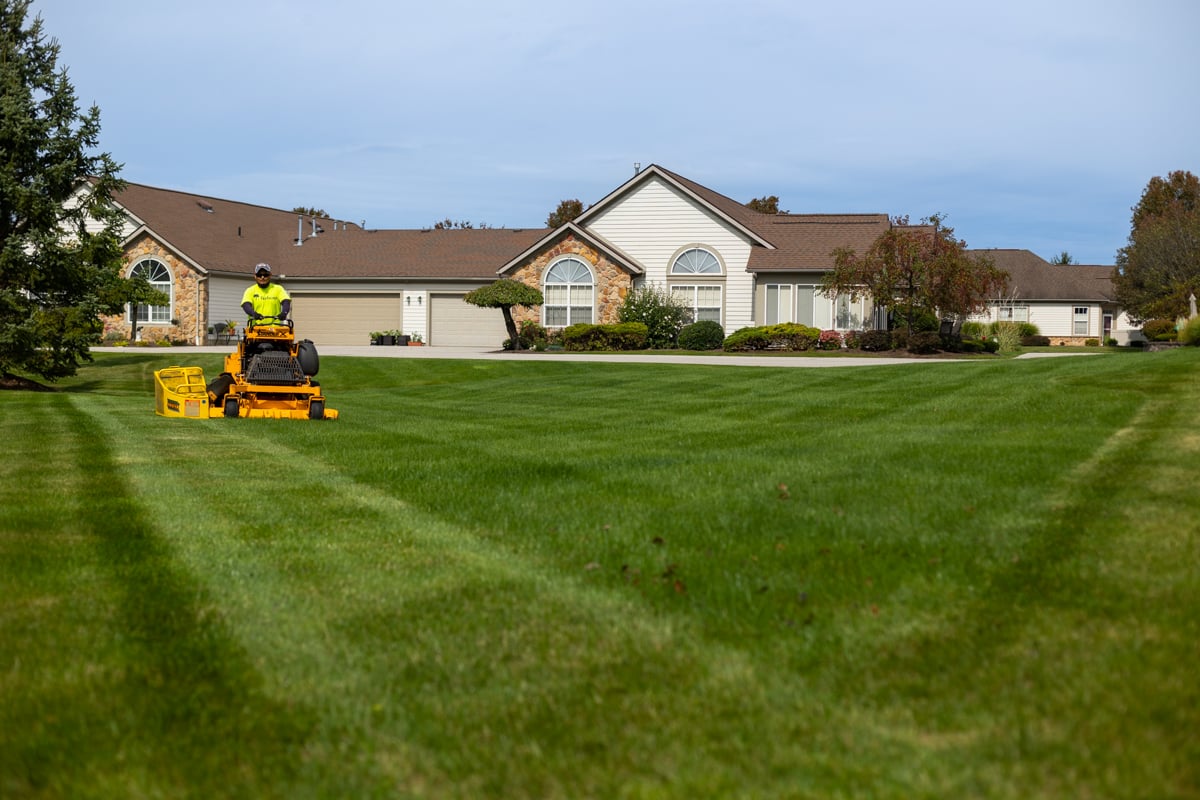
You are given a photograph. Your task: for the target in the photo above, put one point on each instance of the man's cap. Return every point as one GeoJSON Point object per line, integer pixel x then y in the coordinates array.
{"type": "Point", "coordinates": [262, 268]}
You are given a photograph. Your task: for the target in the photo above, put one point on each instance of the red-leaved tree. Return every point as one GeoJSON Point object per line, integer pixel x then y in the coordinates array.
{"type": "Point", "coordinates": [916, 270]}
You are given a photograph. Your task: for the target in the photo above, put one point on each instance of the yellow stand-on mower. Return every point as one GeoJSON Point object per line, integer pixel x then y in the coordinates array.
{"type": "Point", "coordinates": [270, 375]}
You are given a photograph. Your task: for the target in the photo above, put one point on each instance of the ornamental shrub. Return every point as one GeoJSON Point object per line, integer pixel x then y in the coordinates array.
{"type": "Point", "coordinates": [1007, 336]}
{"type": "Point", "coordinates": [1035, 341]}
{"type": "Point", "coordinates": [924, 342]}
{"type": "Point", "coordinates": [663, 314]}
{"type": "Point", "coordinates": [621, 336]}
{"type": "Point", "coordinates": [829, 340]}
{"type": "Point", "coordinates": [1027, 329]}
{"type": "Point", "coordinates": [851, 340]}
{"type": "Point", "coordinates": [1190, 332]}
{"type": "Point", "coordinates": [785, 336]}
{"type": "Point", "coordinates": [746, 339]}
{"type": "Point", "coordinates": [532, 336]}
{"type": "Point", "coordinates": [703, 335]}
{"type": "Point", "coordinates": [792, 336]}
{"type": "Point", "coordinates": [875, 341]}
{"type": "Point", "coordinates": [1159, 330]}
{"type": "Point", "coordinates": [973, 330]}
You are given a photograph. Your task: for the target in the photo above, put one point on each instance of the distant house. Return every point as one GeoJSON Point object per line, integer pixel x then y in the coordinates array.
{"type": "Point", "coordinates": [1069, 303]}
{"type": "Point", "coordinates": [728, 263]}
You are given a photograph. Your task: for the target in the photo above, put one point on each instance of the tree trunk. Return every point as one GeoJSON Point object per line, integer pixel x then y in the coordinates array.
{"type": "Point", "coordinates": [511, 325]}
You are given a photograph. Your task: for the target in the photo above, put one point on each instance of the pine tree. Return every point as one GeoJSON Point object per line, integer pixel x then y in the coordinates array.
{"type": "Point", "coordinates": [58, 273]}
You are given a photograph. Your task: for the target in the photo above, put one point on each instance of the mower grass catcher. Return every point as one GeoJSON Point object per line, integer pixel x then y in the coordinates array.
{"type": "Point", "coordinates": [269, 375]}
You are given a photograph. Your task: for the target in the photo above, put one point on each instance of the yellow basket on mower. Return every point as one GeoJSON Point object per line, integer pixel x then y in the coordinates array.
{"type": "Point", "coordinates": [181, 392]}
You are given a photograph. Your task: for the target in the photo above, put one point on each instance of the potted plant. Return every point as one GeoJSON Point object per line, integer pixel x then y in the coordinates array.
{"type": "Point", "coordinates": [414, 339]}
{"type": "Point", "coordinates": [376, 336]}
{"type": "Point", "coordinates": [387, 338]}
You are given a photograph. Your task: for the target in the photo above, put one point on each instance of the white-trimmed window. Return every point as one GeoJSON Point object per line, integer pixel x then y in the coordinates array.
{"type": "Point", "coordinates": [778, 304]}
{"type": "Point", "coordinates": [1012, 314]}
{"type": "Point", "coordinates": [159, 277]}
{"type": "Point", "coordinates": [1081, 321]}
{"type": "Point", "coordinates": [848, 314]}
{"type": "Point", "coordinates": [704, 301]}
{"type": "Point", "coordinates": [696, 261]}
{"type": "Point", "coordinates": [568, 289]}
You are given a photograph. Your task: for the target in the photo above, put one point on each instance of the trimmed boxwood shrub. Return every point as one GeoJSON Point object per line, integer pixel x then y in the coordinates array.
{"type": "Point", "coordinates": [703, 335]}
{"type": "Point", "coordinates": [785, 336]}
{"type": "Point", "coordinates": [875, 341]}
{"type": "Point", "coordinates": [621, 336]}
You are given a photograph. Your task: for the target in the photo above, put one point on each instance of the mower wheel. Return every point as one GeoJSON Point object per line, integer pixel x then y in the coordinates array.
{"type": "Point", "coordinates": [316, 409]}
{"type": "Point", "coordinates": [306, 355]}
{"type": "Point", "coordinates": [231, 407]}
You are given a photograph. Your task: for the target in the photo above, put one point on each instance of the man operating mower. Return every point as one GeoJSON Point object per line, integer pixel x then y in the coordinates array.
{"type": "Point", "coordinates": [266, 300]}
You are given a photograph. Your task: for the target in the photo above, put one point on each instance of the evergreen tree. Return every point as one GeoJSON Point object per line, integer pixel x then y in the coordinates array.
{"type": "Point", "coordinates": [58, 273]}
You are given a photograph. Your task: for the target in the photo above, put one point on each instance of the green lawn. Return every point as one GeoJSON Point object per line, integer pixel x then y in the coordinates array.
{"type": "Point", "coordinates": [535, 579]}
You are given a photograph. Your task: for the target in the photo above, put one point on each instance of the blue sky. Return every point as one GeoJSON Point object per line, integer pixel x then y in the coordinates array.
{"type": "Point", "coordinates": [1029, 124]}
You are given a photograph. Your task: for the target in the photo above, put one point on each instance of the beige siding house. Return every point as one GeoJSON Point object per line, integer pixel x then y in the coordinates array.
{"type": "Point", "coordinates": [727, 262]}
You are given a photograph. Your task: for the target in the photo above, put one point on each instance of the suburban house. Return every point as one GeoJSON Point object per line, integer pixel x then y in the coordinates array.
{"type": "Point", "coordinates": [727, 262]}
{"type": "Point", "coordinates": [1069, 303]}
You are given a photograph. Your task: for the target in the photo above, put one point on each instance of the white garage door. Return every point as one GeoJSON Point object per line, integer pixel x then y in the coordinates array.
{"type": "Point", "coordinates": [454, 323]}
{"type": "Point", "coordinates": [345, 319]}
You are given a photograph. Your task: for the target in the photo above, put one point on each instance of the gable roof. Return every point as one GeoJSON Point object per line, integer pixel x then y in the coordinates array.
{"type": "Point", "coordinates": [621, 259]}
{"type": "Point", "coordinates": [733, 212]}
{"type": "Point", "coordinates": [227, 236]}
{"type": "Point", "coordinates": [779, 241]}
{"type": "Point", "coordinates": [1033, 278]}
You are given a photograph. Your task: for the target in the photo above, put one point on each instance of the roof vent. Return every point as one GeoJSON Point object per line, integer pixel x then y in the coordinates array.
{"type": "Point", "coordinates": [206, 206]}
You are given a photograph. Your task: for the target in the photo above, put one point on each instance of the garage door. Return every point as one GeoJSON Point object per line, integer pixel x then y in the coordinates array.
{"type": "Point", "coordinates": [454, 323]}
{"type": "Point", "coordinates": [345, 319]}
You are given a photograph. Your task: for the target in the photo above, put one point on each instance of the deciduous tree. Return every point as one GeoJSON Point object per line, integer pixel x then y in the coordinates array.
{"type": "Point", "coordinates": [60, 254]}
{"type": "Point", "coordinates": [1159, 268]}
{"type": "Point", "coordinates": [504, 294]}
{"type": "Point", "coordinates": [567, 211]}
{"type": "Point", "coordinates": [918, 270]}
{"type": "Point", "coordinates": [765, 205]}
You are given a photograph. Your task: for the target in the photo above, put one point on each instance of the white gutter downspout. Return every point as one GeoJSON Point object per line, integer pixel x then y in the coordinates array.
{"type": "Point", "coordinates": [200, 279]}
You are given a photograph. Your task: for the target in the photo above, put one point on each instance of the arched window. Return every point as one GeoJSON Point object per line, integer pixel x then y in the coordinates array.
{"type": "Point", "coordinates": [703, 298]}
{"type": "Point", "coordinates": [568, 291]}
{"type": "Point", "coordinates": [696, 261]}
{"type": "Point", "coordinates": [159, 277]}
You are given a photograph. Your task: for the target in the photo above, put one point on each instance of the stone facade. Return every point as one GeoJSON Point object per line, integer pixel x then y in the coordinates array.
{"type": "Point", "coordinates": [189, 299]}
{"type": "Point", "coordinates": [612, 281]}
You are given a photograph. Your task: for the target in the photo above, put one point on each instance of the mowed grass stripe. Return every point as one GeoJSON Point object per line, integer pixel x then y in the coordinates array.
{"type": "Point", "coordinates": [394, 598]}
{"type": "Point", "coordinates": [610, 593]}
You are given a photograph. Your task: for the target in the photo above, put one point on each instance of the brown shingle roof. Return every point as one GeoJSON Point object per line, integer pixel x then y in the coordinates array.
{"type": "Point", "coordinates": [228, 236]}
{"type": "Point", "coordinates": [807, 241]}
{"type": "Point", "coordinates": [1034, 278]}
{"type": "Point", "coordinates": [800, 241]}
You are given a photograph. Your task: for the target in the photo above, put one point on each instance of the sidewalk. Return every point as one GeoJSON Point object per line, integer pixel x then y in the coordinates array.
{"type": "Point", "coordinates": [481, 353]}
